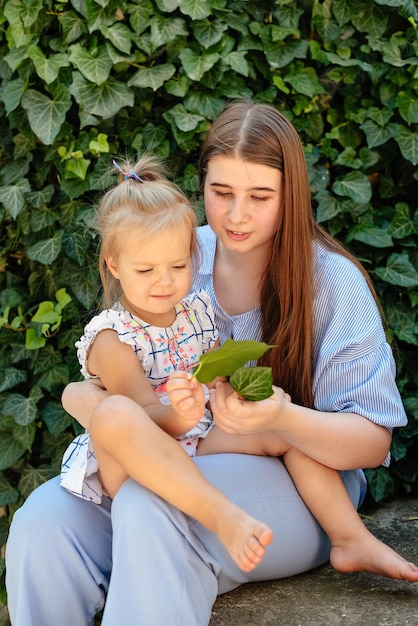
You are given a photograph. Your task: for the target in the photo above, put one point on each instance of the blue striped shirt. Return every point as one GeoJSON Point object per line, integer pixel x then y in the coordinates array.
{"type": "Point", "coordinates": [353, 365]}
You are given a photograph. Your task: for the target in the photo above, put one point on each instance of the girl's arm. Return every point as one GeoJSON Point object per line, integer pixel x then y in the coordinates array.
{"type": "Point", "coordinates": [120, 372]}
{"type": "Point", "coordinates": [337, 440]}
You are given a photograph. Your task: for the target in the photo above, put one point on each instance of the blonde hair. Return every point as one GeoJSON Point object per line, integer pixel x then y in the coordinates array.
{"type": "Point", "coordinates": [259, 133]}
{"type": "Point", "coordinates": [144, 197]}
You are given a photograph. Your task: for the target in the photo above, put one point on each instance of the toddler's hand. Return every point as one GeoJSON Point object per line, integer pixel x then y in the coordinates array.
{"type": "Point", "coordinates": [187, 397]}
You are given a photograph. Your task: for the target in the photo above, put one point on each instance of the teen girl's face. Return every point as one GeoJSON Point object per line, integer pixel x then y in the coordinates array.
{"type": "Point", "coordinates": [154, 272]}
{"type": "Point", "coordinates": [243, 203]}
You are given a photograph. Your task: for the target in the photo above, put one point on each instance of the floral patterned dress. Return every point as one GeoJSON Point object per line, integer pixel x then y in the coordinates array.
{"type": "Point", "coordinates": [161, 351]}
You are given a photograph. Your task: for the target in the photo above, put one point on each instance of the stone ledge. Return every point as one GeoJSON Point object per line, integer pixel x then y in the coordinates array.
{"type": "Point", "coordinates": [324, 597]}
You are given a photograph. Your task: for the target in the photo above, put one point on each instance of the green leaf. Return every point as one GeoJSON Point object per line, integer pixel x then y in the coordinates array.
{"type": "Point", "coordinates": [13, 196]}
{"type": "Point", "coordinates": [208, 33]}
{"type": "Point", "coordinates": [408, 143]}
{"type": "Point", "coordinates": [166, 29]}
{"type": "Point", "coordinates": [196, 64]}
{"type": "Point", "coordinates": [401, 225]}
{"type": "Point", "coordinates": [408, 106]}
{"type": "Point", "coordinates": [184, 120]}
{"type": "Point", "coordinates": [25, 435]}
{"type": "Point", "coordinates": [380, 483]}
{"type": "Point", "coordinates": [196, 9]}
{"type": "Point", "coordinates": [46, 115]}
{"type": "Point", "coordinates": [54, 378]}
{"type": "Point", "coordinates": [238, 62]}
{"type": "Point", "coordinates": [304, 80]}
{"type": "Point", "coordinates": [27, 11]}
{"type": "Point", "coordinates": [55, 418]}
{"type": "Point", "coordinates": [96, 68]}
{"type": "Point", "coordinates": [253, 383]}
{"type": "Point", "coordinates": [10, 450]}
{"type": "Point", "coordinates": [105, 100]}
{"type": "Point", "coordinates": [399, 271]}
{"type": "Point", "coordinates": [401, 320]}
{"type": "Point", "coordinates": [8, 495]}
{"type": "Point", "coordinates": [120, 36]}
{"type": "Point", "coordinates": [355, 185]}
{"type": "Point", "coordinates": [73, 25]}
{"type": "Point", "coordinates": [377, 135]}
{"type": "Point", "coordinates": [47, 68]}
{"type": "Point", "coordinates": [371, 235]}
{"type": "Point", "coordinates": [32, 478]}
{"type": "Point", "coordinates": [230, 356]}
{"type": "Point", "coordinates": [46, 250]}
{"type": "Point", "coordinates": [11, 377]}
{"type": "Point", "coordinates": [152, 77]}
{"type": "Point", "coordinates": [328, 206]}
{"type": "Point", "coordinates": [12, 93]}
{"type": "Point", "coordinates": [24, 410]}
{"type": "Point", "coordinates": [140, 15]}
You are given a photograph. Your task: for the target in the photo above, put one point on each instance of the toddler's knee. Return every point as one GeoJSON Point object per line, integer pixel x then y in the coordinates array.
{"type": "Point", "coordinates": [112, 414]}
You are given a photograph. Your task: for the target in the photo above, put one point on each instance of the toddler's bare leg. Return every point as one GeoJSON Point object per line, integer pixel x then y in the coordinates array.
{"type": "Point", "coordinates": [128, 443]}
{"type": "Point", "coordinates": [354, 548]}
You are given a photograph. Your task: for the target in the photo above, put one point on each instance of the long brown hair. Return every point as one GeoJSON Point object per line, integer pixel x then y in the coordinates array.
{"type": "Point", "coordinates": [259, 133]}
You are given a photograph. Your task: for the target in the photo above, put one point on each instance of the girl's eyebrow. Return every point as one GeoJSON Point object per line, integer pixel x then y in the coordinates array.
{"type": "Point", "coordinates": [250, 189]}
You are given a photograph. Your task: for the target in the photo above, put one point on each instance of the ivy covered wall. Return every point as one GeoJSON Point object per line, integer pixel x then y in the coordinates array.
{"type": "Point", "coordinates": [85, 80]}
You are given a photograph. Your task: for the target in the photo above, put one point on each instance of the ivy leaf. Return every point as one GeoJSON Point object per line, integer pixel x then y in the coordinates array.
{"type": "Point", "coordinates": [196, 64]}
{"type": "Point", "coordinates": [166, 29]}
{"type": "Point", "coordinates": [184, 120]}
{"type": "Point", "coordinates": [253, 383]}
{"type": "Point", "coordinates": [408, 144]}
{"type": "Point", "coordinates": [120, 36]}
{"type": "Point", "coordinates": [355, 185]}
{"type": "Point", "coordinates": [10, 377]}
{"type": "Point", "coordinates": [73, 25]}
{"type": "Point", "coordinates": [398, 271]}
{"type": "Point", "coordinates": [106, 100]}
{"type": "Point", "coordinates": [376, 135]}
{"type": "Point", "coordinates": [370, 235]}
{"type": "Point", "coordinates": [152, 77]}
{"type": "Point", "coordinates": [8, 494]}
{"type": "Point", "coordinates": [229, 357]}
{"type": "Point", "coordinates": [196, 9]}
{"type": "Point", "coordinates": [12, 93]}
{"type": "Point", "coordinates": [46, 115]}
{"type": "Point", "coordinates": [408, 106]}
{"type": "Point", "coordinates": [24, 410]}
{"type": "Point", "coordinates": [237, 62]}
{"type": "Point", "coordinates": [95, 68]}
{"type": "Point", "coordinates": [13, 196]}
{"type": "Point", "coordinates": [208, 33]}
{"type": "Point", "coordinates": [47, 68]}
{"type": "Point", "coordinates": [10, 450]}
{"type": "Point", "coordinates": [33, 477]}
{"type": "Point", "coordinates": [46, 250]}
{"type": "Point", "coordinates": [380, 483]}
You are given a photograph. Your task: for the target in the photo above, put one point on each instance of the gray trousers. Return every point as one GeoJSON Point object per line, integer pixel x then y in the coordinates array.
{"type": "Point", "coordinates": [149, 564]}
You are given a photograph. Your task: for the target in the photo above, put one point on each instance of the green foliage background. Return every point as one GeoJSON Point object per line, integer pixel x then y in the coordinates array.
{"type": "Point", "coordinates": [85, 80]}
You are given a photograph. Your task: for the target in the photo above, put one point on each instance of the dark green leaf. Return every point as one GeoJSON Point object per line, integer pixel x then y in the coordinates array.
{"type": "Point", "coordinates": [46, 115]}
{"type": "Point", "coordinates": [10, 450]}
{"type": "Point", "coordinates": [253, 383]}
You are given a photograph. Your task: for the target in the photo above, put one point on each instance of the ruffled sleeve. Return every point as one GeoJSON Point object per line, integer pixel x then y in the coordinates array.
{"type": "Point", "coordinates": [129, 330]}
{"type": "Point", "coordinates": [354, 368]}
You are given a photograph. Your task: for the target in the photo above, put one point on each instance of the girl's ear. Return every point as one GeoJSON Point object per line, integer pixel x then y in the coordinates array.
{"type": "Point", "coordinates": [113, 268]}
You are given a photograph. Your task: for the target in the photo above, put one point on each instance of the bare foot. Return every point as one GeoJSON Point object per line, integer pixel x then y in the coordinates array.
{"type": "Point", "coordinates": [244, 537]}
{"type": "Point", "coordinates": [368, 554]}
